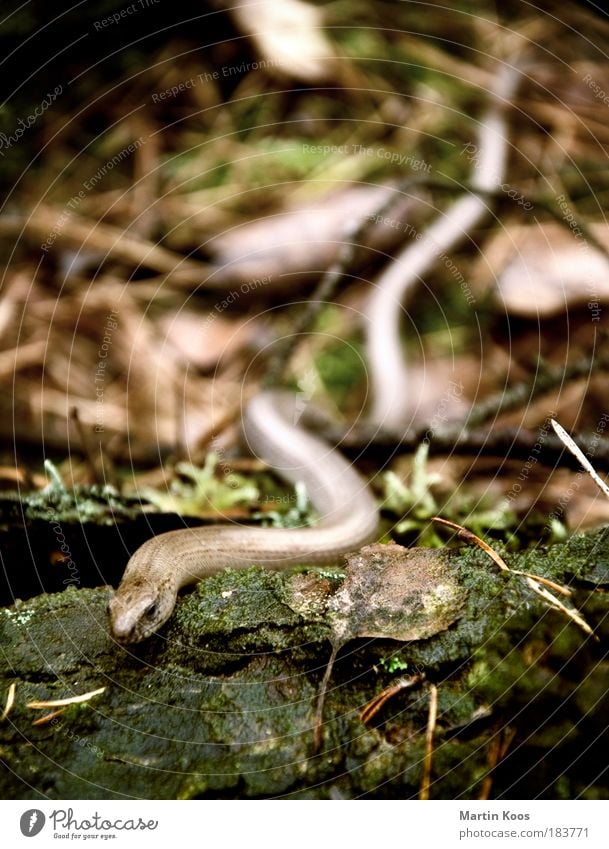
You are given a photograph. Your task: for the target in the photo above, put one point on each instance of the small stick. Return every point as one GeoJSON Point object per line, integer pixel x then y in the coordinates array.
{"type": "Point", "coordinates": [108, 471]}
{"type": "Point", "coordinates": [544, 381]}
{"type": "Point", "coordinates": [471, 537]}
{"type": "Point", "coordinates": [114, 242]}
{"type": "Point", "coordinates": [43, 720]}
{"type": "Point", "coordinates": [85, 445]}
{"type": "Point", "coordinates": [10, 701]}
{"type": "Point", "coordinates": [72, 700]}
{"type": "Point", "coordinates": [497, 750]}
{"type": "Point", "coordinates": [506, 443]}
{"type": "Point", "coordinates": [573, 448]}
{"type": "Point", "coordinates": [219, 424]}
{"type": "Point", "coordinates": [534, 582]}
{"type": "Point", "coordinates": [429, 738]}
{"type": "Point", "coordinates": [371, 708]}
{"type": "Point", "coordinates": [178, 417]}
{"type": "Point", "coordinates": [321, 699]}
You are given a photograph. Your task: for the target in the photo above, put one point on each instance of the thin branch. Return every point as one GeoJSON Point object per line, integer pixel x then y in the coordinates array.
{"type": "Point", "coordinates": [504, 443]}
{"type": "Point", "coordinates": [536, 583]}
{"type": "Point", "coordinates": [85, 445]}
{"type": "Point", "coordinates": [578, 454]}
{"type": "Point", "coordinates": [71, 700]}
{"type": "Point", "coordinates": [10, 701]}
{"type": "Point", "coordinates": [432, 717]}
{"type": "Point", "coordinates": [524, 392]}
{"type": "Point", "coordinates": [321, 700]}
{"type": "Point", "coordinates": [371, 708]}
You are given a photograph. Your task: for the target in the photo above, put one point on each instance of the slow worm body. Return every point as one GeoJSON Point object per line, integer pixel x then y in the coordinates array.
{"type": "Point", "coordinates": [272, 429]}
{"type": "Point", "coordinates": [348, 514]}
{"type": "Point", "coordinates": [393, 399]}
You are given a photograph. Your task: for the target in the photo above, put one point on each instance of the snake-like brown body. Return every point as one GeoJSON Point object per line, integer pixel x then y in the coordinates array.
{"type": "Point", "coordinates": [349, 517]}
{"type": "Point", "coordinates": [347, 509]}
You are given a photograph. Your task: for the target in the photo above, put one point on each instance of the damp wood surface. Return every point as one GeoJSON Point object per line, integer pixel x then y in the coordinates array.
{"type": "Point", "coordinates": [221, 703]}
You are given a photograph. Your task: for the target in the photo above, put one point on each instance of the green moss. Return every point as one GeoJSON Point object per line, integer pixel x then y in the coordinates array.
{"type": "Point", "coordinates": [222, 702]}
{"type": "Point", "coordinates": [341, 368]}
{"type": "Point", "coordinates": [100, 504]}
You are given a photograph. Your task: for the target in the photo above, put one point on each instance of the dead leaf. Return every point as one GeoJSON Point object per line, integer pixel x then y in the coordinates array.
{"type": "Point", "coordinates": [202, 342]}
{"type": "Point", "coordinates": [549, 270]}
{"type": "Point", "coordinates": [288, 35]}
{"type": "Point", "coordinates": [303, 240]}
{"type": "Point", "coordinates": [396, 593]}
{"type": "Point", "coordinates": [307, 593]}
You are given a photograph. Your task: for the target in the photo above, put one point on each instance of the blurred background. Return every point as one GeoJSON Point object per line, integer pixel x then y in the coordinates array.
{"type": "Point", "coordinates": [177, 178]}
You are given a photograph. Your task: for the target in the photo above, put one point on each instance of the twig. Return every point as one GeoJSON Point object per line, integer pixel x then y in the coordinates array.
{"type": "Point", "coordinates": [471, 537]}
{"type": "Point", "coordinates": [371, 708]}
{"type": "Point", "coordinates": [111, 241]}
{"type": "Point", "coordinates": [544, 381]}
{"type": "Point", "coordinates": [10, 701]}
{"type": "Point", "coordinates": [429, 739]}
{"type": "Point", "coordinates": [573, 448]}
{"type": "Point", "coordinates": [506, 443]}
{"type": "Point", "coordinates": [44, 720]}
{"type": "Point", "coordinates": [321, 699]}
{"type": "Point", "coordinates": [497, 750]}
{"type": "Point", "coordinates": [538, 584]}
{"type": "Point", "coordinates": [219, 424]}
{"type": "Point", "coordinates": [85, 445]}
{"type": "Point", "coordinates": [72, 700]}
{"type": "Point", "coordinates": [179, 448]}
{"type": "Point", "coordinates": [29, 354]}
{"type": "Point", "coordinates": [462, 437]}
{"type": "Point", "coordinates": [107, 472]}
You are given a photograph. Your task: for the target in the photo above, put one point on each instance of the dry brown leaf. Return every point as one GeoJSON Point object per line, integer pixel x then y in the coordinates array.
{"type": "Point", "coordinates": [396, 593]}
{"type": "Point", "coordinates": [304, 240]}
{"type": "Point", "coordinates": [549, 270]}
{"type": "Point", "coordinates": [288, 35]}
{"type": "Point", "coordinates": [202, 342]}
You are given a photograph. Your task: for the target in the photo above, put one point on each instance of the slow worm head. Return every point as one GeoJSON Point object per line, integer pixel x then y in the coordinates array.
{"type": "Point", "coordinates": [273, 431]}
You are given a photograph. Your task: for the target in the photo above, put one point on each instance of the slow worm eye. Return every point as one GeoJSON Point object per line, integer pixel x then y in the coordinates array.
{"type": "Point", "coordinates": [150, 611]}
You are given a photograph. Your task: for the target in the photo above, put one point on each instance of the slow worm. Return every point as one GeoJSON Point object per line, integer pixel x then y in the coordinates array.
{"type": "Point", "coordinates": [272, 429]}
{"type": "Point", "coordinates": [347, 509]}
{"type": "Point", "coordinates": [389, 378]}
